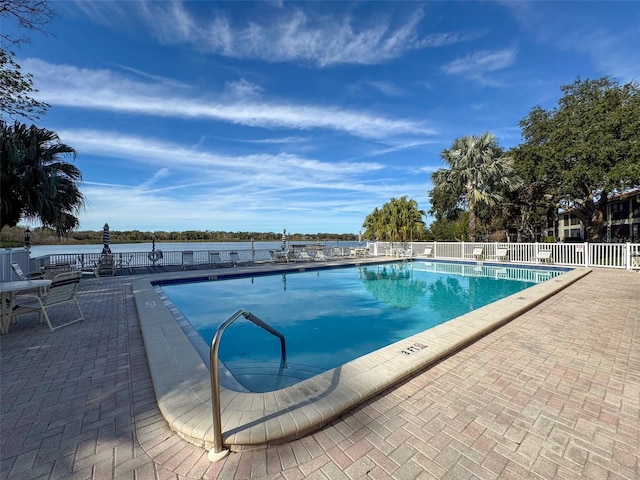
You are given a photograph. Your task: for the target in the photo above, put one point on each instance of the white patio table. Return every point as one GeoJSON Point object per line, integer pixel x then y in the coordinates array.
{"type": "Point", "coordinates": [8, 291]}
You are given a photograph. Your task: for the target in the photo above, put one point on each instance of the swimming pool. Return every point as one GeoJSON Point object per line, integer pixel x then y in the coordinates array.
{"type": "Point", "coordinates": [332, 316]}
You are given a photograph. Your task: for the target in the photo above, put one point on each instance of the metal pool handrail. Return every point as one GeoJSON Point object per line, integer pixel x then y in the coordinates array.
{"type": "Point", "coordinates": [218, 452]}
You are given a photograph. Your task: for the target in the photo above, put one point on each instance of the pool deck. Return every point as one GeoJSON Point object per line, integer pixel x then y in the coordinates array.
{"type": "Point", "coordinates": [555, 393]}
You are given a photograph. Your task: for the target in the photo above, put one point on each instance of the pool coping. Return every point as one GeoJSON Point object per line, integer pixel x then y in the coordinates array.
{"type": "Point", "coordinates": [182, 382]}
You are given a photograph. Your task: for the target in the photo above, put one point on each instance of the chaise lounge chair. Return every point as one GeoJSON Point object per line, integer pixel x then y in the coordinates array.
{"type": "Point", "coordinates": [544, 256]}
{"type": "Point", "coordinates": [477, 253]}
{"type": "Point", "coordinates": [188, 260]}
{"type": "Point", "coordinates": [502, 254]}
{"type": "Point", "coordinates": [428, 252]}
{"type": "Point", "coordinates": [216, 261]}
{"type": "Point", "coordinates": [235, 259]}
{"type": "Point", "coordinates": [303, 256]}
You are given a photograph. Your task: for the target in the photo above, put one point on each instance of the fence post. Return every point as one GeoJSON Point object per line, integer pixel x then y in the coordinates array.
{"type": "Point", "coordinates": [628, 256]}
{"type": "Point", "coordinates": [587, 254]}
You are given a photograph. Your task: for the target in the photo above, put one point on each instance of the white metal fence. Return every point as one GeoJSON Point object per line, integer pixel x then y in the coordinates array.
{"type": "Point", "coordinates": [608, 255]}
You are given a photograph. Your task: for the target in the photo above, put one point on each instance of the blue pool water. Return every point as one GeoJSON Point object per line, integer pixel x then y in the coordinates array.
{"type": "Point", "coordinates": [331, 316]}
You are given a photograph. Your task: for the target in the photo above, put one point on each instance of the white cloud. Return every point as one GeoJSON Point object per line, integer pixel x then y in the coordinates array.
{"type": "Point", "coordinates": [69, 86]}
{"type": "Point", "coordinates": [477, 65]}
{"type": "Point", "coordinates": [251, 192]}
{"type": "Point", "coordinates": [283, 34]}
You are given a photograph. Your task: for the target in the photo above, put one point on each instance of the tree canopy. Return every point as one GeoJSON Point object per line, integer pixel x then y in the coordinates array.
{"type": "Point", "coordinates": [399, 220]}
{"type": "Point", "coordinates": [478, 175]}
{"type": "Point", "coordinates": [585, 149]}
{"type": "Point", "coordinates": [16, 87]}
{"type": "Point", "coordinates": [35, 180]}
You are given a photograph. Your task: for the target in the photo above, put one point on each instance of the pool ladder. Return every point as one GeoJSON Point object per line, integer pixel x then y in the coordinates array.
{"type": "Point", "coordinates": [218, 451]}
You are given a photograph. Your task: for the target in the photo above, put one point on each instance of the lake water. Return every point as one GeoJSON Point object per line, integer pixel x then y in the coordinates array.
{"type": "Point", "coordinates": [42, 250]}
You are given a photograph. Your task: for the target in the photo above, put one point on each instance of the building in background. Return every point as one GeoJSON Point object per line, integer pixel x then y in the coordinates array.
{"type": "Point", "coordinates": [622, 221]}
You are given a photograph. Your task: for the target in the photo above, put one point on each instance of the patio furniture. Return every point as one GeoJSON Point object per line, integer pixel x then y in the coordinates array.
{"type": "Point", "coordinates": [544, 256]}
{"type": "Point", "coordinates": [502, 254]}
{"type": "Point", "coordinates": [188, 260]}
{"type": "Point", "coordinates": [235, 259]}
{"type": "Point", "coordinates": [50, 271]}
{"type": "Point", "coordinates": [8, 291]}
{"type": "Point", "coordinates": [216, 261]}
{"type": "Point", "coordinates": [25, 276]}
{"type": "Point", "coordinates": [477, 253]}
{"type": "Point", "coordinates": [61, 291]}
{"type": "Point", "coordinates": [105, 266]}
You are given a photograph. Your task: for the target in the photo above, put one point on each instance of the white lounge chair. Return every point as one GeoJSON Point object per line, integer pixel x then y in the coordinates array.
{"type": "Point", "coordinates": [544, 256]}
{"type": "Point", "coordinates": [235, 259]}
{"type": "Point", "coordinates": [216, 261]}
{"type": "Point", "coordinates": [303, 256]}
{"type": "Point", "coordinates": [62, 290]}
{"type": "Point", "coordinates": [478, 253]}
{"type": "Point", "coordinates": [320, 256]}
{"type": "Point", "coordinates": [428, 252]}
{"type": "Point", "coordinates": [188, 260]}
{"type": "Point", "coordinates": [502, 254]}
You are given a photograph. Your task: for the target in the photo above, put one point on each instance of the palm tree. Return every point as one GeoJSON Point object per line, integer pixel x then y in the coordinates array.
{"type": "Point", "coordinates": [477, 167]}
{"type": "Point", "coordinates": [35, 181]}
{"type": "Point", "coordinates": [399, 220]}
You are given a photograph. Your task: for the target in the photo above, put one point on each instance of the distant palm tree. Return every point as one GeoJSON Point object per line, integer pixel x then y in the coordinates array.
{"type": "Point", "coordinates": [477, 167]}
{"type": "Point", "coordinates": [399, 220]}
{"type": "Point", "coordinates": [35, 181]}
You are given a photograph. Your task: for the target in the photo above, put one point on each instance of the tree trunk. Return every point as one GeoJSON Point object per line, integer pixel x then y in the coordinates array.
{"type": "Point", "coordinates": [472, 221]}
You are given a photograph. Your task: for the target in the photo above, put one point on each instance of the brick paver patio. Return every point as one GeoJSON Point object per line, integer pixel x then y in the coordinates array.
{"type": "Point", "coordinates": [554, 394]}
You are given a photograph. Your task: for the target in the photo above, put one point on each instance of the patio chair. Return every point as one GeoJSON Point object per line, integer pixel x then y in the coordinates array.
{"type": "Point", "coordinates": [188, 260]}
{"type": "Point", "coordinates": [303, 256]}
{"type": "Point", "coordinates": [635, 261]}
{"type": "Point", "coordinates": [105, 266]}
{"type": "Point", "coordinates": [428, 252]}
{"type": "Point", "coordinates": [478, 253]}
{"type": "Point", "coordinates": [235, 259]}
{"type": "Point", "coordinates": [216, 261]}
{"type": "Point", "coordinates": [127, 263]}
{"type": "Point", "coordinates": [26, 276]}
{"type": "Point", "coordinates": [544, 256]}
{"type": "Point", "coordinates": [320, 256]}
{"type": "Point", "coordinates": [61, 291]}
{"type": "Point", "coordinates": [502, 254]}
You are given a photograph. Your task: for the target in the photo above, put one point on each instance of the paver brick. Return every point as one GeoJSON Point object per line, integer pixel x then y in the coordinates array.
{"type": "Point", "coordinates": [550, 395]}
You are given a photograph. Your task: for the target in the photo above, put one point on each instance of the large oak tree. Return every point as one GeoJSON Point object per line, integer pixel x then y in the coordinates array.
{"type": "Point", "coordinates": [584, 150]}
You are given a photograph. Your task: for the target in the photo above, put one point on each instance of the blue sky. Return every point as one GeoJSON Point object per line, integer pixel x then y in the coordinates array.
{"type": "Point", "coordinates": [243, 116]}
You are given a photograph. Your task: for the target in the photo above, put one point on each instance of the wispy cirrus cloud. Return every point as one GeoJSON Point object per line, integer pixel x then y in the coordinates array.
{"type": "Point", "coordinates": [477, 65]}
{"type": "Point", "coordinates": [69, 86]}
{"type": "Point", "coordinates": [283, 34]}
{"type": "Point", "coordinates": [260, 190]}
